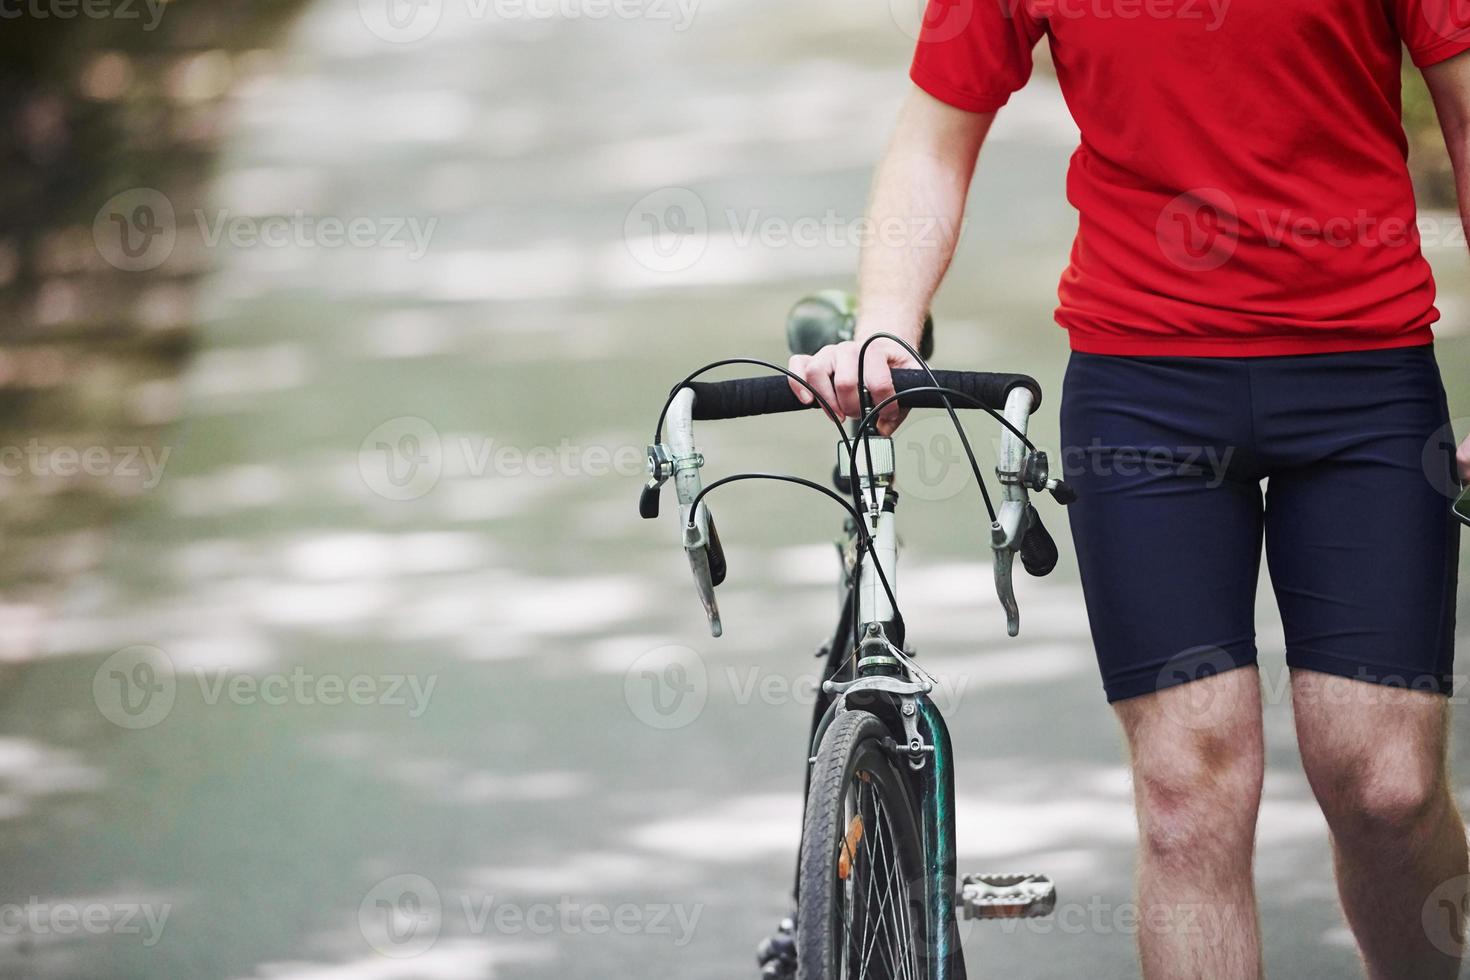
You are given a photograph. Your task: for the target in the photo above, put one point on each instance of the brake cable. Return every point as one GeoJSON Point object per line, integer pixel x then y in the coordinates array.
{"type": "Point", "coordinates": [847, 443]}
{"type": "Point", "coordinates": [864, 433]}
{"type": "Point", "coordinates": [865, 540]}
{"type": "Point", "coordinates": [959, 429]}
{"type": "Point", "coordinates": [827, 409]}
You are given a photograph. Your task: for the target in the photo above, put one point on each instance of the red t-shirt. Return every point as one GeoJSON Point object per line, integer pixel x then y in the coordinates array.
{"type": "Point", "coordinates": [1241, 182]}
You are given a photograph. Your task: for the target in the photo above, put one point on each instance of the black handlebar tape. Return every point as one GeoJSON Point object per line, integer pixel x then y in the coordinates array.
{"type": "Point", "coordinates": [772, 394]}
{"type": "Point", "coordinates": [1038, 550]}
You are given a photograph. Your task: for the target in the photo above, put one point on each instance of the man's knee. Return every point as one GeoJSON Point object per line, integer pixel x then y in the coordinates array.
{"type": "Point", "coordinates": [1391, 792]}
{"type": "Point", "coordinates": [1200, 802]}
{"type": "Point", "coordinates": [1376, 761]}
{"type": "Point", "coordinates": [1197, 785]}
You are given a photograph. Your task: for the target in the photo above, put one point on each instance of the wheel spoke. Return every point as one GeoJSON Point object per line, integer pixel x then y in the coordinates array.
{"type": "Point", "coordinates": [878, 928]}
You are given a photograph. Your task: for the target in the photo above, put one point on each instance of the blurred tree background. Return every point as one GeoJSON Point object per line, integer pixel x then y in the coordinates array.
{"type": "Point", "coordinates": [99, 101]}
{"type": "Point", "coordinates": [1433, 178]}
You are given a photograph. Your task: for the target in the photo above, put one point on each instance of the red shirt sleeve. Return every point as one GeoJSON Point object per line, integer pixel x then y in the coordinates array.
{"type": "Point", "coordinates": [1433, 30]}
{"type": "Point", "coordinates": [973, 54]}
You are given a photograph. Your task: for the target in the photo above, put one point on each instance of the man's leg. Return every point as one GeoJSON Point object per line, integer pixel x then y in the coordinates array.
{"type": "Point", "coordinates": [1197, 769]}
{"type": "Point", "coordinates": [1375, 757]}
{"type": "Point", "coordinates": [1167, 525]}
{"type": "Point", "coordinates": [1363, 555]}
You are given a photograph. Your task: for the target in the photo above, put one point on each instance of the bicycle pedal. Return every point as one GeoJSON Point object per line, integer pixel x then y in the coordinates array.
{"type": "Point", "coordinates": [1007, 896]}
{"type": "Point", "coordinates": [776, 955]}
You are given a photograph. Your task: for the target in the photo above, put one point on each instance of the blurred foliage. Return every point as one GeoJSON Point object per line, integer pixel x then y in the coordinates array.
{"type": "Point", "coordinates": [1433, 178]}
{"type": "Point", "coordinates": [93, 105]}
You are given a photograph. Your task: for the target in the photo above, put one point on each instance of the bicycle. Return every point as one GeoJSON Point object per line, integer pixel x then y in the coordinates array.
{"type": "Point", "coordinates": [876, 893]}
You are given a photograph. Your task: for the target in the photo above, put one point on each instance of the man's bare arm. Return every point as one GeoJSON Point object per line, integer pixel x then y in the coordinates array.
{"type": "Point", "coordinates": [1449, 84]}
{"type": "Point", "coordinates": [917, 207]}
{"type": "Point", "coordinates": [916, 211]}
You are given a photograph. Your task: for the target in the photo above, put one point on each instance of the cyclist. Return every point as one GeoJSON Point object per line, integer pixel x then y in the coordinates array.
{"type": "Point", "coordinates": [1246, 299]}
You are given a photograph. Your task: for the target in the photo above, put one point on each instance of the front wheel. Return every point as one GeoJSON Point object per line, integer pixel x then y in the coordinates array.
{"type": "Point", "coordinates": [862, 912]}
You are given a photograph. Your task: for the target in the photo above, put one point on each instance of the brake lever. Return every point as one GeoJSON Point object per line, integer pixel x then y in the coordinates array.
{"type": "Point", "coordinates": [1005, 557]}
{"type": "Point", "coordinates": [701, 541]}
{"type": "Point", "coordinates": [1017, 470]}
{"type": "Point", "coordinates": [697, 538]}
{"type": "Point", "coordinates": [1038, 549]}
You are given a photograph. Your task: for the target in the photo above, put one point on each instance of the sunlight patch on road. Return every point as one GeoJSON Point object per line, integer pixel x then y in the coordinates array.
{"type": "Point", "coordinates": [732, 831]}
{"type": "Point", "coordinates": [448, 960]}
{"type": "Point", "coordinates": [31, 771]}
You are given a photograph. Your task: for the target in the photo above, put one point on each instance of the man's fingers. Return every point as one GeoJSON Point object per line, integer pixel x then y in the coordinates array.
{"type": "Point", "coordinates": [845, 379]}
{"type": "Point", "coordinates": [879, 378]}
{"type": "Point", "coordinates": [797, 366]}
{"type": "Point", "coordinates": [818, 373]}
{"type": "Point", "coordinates": [833, 373]}
{"type": "Point", "coordinates": [886, 428]}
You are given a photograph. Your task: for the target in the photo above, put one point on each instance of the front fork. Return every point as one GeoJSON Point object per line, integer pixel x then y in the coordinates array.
{"type": "Point", "coordinates": [931, 781]}
{"type": "Point", "coordinates": [934, 792]}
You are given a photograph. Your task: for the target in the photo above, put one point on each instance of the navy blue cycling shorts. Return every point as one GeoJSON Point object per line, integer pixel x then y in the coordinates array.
{"type": "Point", "coordinates": [1168, 456]}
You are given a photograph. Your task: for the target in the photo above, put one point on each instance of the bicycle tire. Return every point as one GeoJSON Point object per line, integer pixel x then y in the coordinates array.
{"type": "Point", "coordinates": [855, 776]}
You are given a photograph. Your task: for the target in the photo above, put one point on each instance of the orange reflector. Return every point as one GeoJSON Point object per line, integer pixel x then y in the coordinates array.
{"type": "Point", "coordinates": [849, 847]}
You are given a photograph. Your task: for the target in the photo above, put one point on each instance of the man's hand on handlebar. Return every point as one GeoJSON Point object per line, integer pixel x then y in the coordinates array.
{"type": "Point", "coordinates": [833, 372]}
